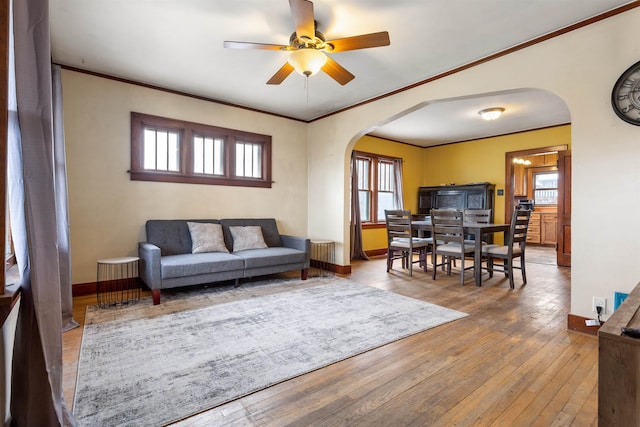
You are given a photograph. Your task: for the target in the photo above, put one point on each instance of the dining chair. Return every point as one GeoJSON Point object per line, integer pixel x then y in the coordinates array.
{"type": "Point", "coordinates": [482, 216]}
{"type": "Point", "coordinates": [513, 248]}
{"type": "Point", "coordinates": [447, 231]}
{"type": "Point", "coordinates": [401, 242]}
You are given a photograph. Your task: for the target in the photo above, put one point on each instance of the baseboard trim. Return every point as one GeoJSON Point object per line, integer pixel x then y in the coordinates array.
{"type": "Point", "coordinates": [577, 324]}
{"type": "Point", "coordinates": [376, 252]}
{"type": "Point", "coordinates": [83, 289]}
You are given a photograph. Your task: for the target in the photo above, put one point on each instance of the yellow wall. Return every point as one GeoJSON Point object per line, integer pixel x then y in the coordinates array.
{"type": "Point", "coordinates": [412, 176]}
{"type": "Point", "coordinates": [462, 163]}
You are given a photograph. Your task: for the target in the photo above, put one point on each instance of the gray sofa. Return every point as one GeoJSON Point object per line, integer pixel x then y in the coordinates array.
{"type": "Point", "coordinates": [167, 261]}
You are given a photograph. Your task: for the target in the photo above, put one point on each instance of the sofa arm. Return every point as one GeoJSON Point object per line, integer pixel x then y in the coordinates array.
{"type": "Point", "coordinates": [300, 243]}
{"type": "Point", "coordinates": [149, 268]}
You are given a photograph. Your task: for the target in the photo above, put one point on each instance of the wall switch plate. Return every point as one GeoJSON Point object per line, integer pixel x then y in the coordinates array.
{"type": "Point", "coordinates": [600, 302]}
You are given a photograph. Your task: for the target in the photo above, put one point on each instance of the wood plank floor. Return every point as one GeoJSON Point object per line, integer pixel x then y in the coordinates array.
{"type": "Point", "coordinates": [510, 363]}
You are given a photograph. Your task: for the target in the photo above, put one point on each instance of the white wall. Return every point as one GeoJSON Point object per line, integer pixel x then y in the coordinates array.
{"type": "Point", "coordinates": [108, 210]}
{"type": "Point", "coordinates": [580, 67]}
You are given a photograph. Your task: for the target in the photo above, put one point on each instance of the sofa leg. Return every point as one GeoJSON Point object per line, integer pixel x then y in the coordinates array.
{"type": "Point", "coordinates": [237, 283]}
{"type": "Point", "coordinates": [155, 293]}
{"type": "Point", "coordinates": [303, 273]}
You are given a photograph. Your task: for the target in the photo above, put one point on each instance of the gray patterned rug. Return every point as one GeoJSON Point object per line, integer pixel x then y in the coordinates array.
{"type": "Point", "coordinates": [151, 365]}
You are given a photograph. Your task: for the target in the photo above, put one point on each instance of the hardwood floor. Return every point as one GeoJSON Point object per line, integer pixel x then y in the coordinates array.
{"type": "Point", "coordinates": [510, 363]}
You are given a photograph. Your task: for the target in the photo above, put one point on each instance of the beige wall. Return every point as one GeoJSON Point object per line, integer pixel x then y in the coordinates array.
{"type": "Point", "coordinates": [108, 210]}
{"type": "Point", "coordinates": [581, 68]}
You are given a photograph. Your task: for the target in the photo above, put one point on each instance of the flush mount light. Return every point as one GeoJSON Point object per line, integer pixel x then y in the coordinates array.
{"type": "Point", "coordinates": [491, 113]}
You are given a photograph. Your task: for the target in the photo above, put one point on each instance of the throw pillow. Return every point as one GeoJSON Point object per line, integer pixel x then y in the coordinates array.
{"type": "Point", "coordinates": [206, 237]}
{"type": "Point", "coordinates": [247, 237]}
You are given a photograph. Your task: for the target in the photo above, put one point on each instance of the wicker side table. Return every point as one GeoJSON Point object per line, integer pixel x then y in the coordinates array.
{"type": "Point", "coordinates": [117, 282]}
{"type": "Point", "coordinates": [322, 258]}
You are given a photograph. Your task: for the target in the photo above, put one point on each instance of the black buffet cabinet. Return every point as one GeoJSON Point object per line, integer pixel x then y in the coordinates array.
{"type": "Point", "coordinates": [468, 196]}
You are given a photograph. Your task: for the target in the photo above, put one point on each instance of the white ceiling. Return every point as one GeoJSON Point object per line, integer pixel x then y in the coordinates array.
{"type": "Point", "coordinates": [178, 45]}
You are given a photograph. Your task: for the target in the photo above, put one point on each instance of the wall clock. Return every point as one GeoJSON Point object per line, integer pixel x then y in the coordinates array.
{"type": "Point", "coordinates": [625, 97]}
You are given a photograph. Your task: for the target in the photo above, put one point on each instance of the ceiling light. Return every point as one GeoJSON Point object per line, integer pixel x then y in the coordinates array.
{"type": "Point", "coordinates": [307, 61]}
{"type": "Point", "coordinates": [491, 113]}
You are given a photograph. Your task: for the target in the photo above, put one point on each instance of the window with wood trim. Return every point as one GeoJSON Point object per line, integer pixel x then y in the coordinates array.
{"type": "Point", "coordinates": [169, 150]}
{"type": "Point", "coordinates": [545, 188]}
{"type": "Point", "coordinates": [376, 186]}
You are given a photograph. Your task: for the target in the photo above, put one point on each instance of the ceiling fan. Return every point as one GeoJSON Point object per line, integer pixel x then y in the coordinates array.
{"type": "Point", "coordinates": [308, 47]}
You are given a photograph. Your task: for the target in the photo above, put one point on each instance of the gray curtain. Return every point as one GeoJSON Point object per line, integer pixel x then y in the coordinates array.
{"type": "Point", "coordinates": [397, 171]}
{"type": "Point", "coordinates": [42, 253]}
{"type": "Point", "coordinates": [357, 251]}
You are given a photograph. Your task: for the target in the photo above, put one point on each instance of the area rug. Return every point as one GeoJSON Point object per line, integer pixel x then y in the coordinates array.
{"type": "Point", "coordinates": [169, 363]}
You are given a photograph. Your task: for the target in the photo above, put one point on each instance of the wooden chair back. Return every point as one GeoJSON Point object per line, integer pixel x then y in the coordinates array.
{"type": "Point", "coordinates": [447, 226]}
{"type": "Point", "coordinates": [398, 224]}
{"type": "Point", "coordinates": [477, 215]}
{"type": "Point", "coordinates": [519, 227]}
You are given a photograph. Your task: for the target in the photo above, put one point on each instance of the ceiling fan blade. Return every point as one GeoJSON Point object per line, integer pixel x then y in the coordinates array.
{"type": "Point", "coordinates": [337, 72]}
{"type": "Point", "coordinates": [363, 41]}
{"type": "Point", "coordinates": [250, 45]}
{"type": "Point", "coordinates": [281, 74]}
{"type": "Point", "coordinates": [302, 13]}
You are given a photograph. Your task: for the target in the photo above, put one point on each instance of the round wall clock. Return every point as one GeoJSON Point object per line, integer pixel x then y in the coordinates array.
{"type": "Point", "coordinates": [625, 97]}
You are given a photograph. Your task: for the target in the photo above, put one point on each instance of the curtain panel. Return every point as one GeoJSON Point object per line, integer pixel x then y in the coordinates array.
{"type": "Point", "coordinates": [39, 222]}
{"type": "Point", "coordinates": [357, 251]}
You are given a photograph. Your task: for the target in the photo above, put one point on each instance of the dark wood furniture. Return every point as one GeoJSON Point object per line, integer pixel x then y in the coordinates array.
{"type": "Point", "coordinates": [619, 366]}
{"type": "Point", "coordinates": [400, 241]}
{"type": "Point", "coordinates": [469, 196]}
{"type": "Point", "coordinates": [447, 231]}
{"type": "Point", "coordinates": [513, 248]}
{"type": "Point", "coordinates": [477, 230]}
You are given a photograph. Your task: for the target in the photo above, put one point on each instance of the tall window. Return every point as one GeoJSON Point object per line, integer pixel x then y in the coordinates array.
{"type": "Point", "coordinates": [545, 188]}
{"type": "Point", "coordinates": [170, 150]}
{"type": "Point", "coordinates": [376, 186]}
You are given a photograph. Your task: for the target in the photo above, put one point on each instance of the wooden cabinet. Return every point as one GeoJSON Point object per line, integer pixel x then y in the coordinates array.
{"type": "Point", "coordinates": [470, 196]}
{"type": "Point", "coordinates": [549, 229]}
{"type": "Point", "coordinates": [543, 228]}
{"type": "Point", "coordinates": [533, 233]}
{"type": "Point", "coordinates": [619, 366]}
{"type": "Point", "coordinates": [519, 180]}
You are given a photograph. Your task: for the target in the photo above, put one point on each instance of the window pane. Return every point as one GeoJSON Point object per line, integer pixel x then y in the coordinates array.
{"type": "Point", "coordinates": [149, 149]}
{"type": "Point", "coordinates": [546, 197]}
{"type": "Point", "coordinates": [363, 167]}
{"type": "Point", "coordinates": [161, 150]}
{"type": "Point", "coordinates": [385, 201]}
{"type": "Point", "coordinates": [207, 155]}
{"type": "Point", "coordinates": [174, 152]}
{"type": "Point", "coordinates": [365, 204]}
{"type": "Point", "coordinates": [546, 180]}
{"type": "Point", "coordinates": [385, 176]}
{"type": "Point", "coordinates": [198, 154]}
{"type": "Point", "coordinates": [248, 160]}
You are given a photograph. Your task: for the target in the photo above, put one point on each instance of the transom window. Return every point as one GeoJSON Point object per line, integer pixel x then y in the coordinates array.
{"type": "Point", "coordinates": [376, 186]}
{"type": "Point", "coordinates": [170, 150]}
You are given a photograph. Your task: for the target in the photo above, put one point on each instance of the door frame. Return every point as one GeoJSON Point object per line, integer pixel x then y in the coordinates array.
{"type": "Point", "coordinates": [509, 179]}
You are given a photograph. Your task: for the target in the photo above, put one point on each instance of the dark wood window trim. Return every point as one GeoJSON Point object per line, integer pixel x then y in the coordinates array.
{"type": "Point", "coordinates": [373, 187]}
{"type": "Point", "coordinates": [186, 131]}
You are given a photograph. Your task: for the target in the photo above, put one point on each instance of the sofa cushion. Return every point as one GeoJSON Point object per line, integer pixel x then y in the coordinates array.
{"type": "Point", "coordinates": [247, 237]}
{"type": "Point", "coordinates": [255, 258]}
{"type": "Point", "coordinates": [194, 264]}
{"type": "Point", "coordinates": [206, 237]}
{"type": "Point", "coordinates": [269, 229]}
{"type": "Point", "coordinates": [172, 235]}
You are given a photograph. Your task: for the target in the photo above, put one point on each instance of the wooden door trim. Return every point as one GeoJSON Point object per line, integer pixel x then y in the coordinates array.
{"type": "Point", "coordinates": [509, 175]}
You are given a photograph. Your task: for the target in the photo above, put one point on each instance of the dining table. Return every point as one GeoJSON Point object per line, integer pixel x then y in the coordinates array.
{"type": "Point", "coordinates": [475, 229]}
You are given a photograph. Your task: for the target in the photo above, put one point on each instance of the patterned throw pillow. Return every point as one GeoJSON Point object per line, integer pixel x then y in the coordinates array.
{"type": "Point", "coordinates": [206, 238]}
{"type": "Point", "coordinates": [247, 237]}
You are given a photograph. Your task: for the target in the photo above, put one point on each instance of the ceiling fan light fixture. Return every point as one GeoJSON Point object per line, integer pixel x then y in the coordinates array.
{"type": "Point", "coordinates": [491, 113]}
{"type": "Point", "coordinates": [307, 61]}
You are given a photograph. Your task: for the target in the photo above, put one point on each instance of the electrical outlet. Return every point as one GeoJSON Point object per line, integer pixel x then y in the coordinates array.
{"type": "Point", "coordinates": [599, 302]}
